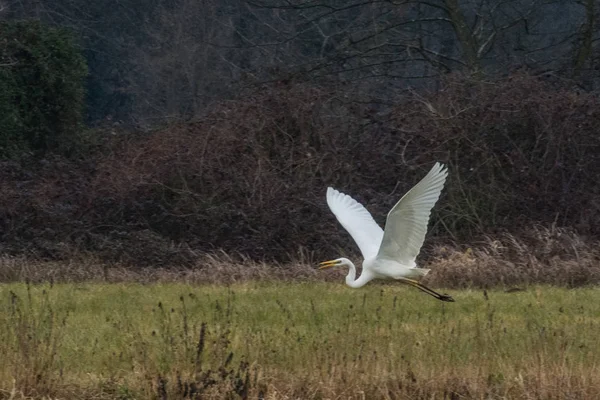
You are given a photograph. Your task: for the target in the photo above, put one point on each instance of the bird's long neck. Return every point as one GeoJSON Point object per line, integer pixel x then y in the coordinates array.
{"type": "Point", "coordinates": [351, 280]}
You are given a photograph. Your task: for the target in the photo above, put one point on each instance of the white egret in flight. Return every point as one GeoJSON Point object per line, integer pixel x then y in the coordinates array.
{"type": "Point", "coordinates": [390, 254]}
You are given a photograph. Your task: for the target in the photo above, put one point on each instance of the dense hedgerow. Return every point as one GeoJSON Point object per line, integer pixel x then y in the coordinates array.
{"type": "Point", "coordinates": [250, 176]}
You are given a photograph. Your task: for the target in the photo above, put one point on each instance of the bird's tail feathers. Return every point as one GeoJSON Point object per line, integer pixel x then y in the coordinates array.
{"type": "Point", "coordinates": [422, 271]}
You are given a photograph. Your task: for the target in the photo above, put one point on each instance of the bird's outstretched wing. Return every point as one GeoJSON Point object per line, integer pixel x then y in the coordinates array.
{"type": "Point", "coordinates": [406, 223]}
{"type": "Point", "coordinates": [359, 223]}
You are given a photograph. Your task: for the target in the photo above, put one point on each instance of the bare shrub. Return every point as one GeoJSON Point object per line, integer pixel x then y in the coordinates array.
{"type": "Point", "coordinates": [519, 151]}
{"type": "Point", "coordinates": [249, 178]}
{"type": "Point", "coordinates": [246, 178]}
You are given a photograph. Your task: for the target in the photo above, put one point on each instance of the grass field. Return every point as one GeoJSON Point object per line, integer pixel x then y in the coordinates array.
{"type": "Point", "coordinates": [296, 341]}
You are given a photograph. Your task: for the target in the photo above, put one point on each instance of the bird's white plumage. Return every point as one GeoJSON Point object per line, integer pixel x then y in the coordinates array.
{"type": "Point", "coordinates": [390, 253]}
{"type": "Point", "coordinates": [406, 223]}
{"type": "Point", "coordinates": [355, 218]}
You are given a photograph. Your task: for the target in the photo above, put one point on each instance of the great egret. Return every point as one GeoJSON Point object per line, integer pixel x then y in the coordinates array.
{"type": "Point", "coordinates": [390, 254]}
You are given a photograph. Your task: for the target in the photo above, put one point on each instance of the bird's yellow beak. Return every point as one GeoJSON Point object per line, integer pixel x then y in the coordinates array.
{"type": "Point", "coordinates": [329, 264]}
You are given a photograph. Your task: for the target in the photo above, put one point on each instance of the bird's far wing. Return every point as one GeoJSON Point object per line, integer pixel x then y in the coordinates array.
{"type": "Point", "coordinates": [357, 221]}
{"type": "Point", "coordinates": [406, 223]}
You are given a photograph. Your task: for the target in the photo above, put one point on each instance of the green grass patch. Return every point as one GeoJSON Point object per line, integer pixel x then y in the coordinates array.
{"type": "Point", "coordinates": [258, 340]}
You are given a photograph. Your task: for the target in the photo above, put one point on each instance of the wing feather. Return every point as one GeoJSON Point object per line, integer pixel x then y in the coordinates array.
{"type": "Point", "coordinates": [406, 223]}
{"type": "Point", "coordinates": [359, 223]}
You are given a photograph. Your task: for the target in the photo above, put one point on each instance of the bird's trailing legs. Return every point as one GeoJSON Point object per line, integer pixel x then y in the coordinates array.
{"type": "Point", "coordinates": [423, 288]}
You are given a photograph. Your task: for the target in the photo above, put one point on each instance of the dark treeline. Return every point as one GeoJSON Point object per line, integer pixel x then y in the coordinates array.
{"type": "Point", "coordinates": [157, 60]}
{"type": "Point", "coordinates": [218, 125]}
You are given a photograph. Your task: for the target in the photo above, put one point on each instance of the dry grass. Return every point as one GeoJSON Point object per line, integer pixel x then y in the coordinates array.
{"type": "Point", "coordinates": [85, 329]}
{"type": "Point", "coordinates": [218, 268]}
{"type": "Point", "coordinates": [554, 256]}
{"type": "Point", "coordinates": [296, 341]}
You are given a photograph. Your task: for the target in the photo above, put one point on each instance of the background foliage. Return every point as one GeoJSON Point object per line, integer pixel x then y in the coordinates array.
{"type": "Point", "coordinates": [41, 75]}
{"type": "Point", "coordinates": [162, 60]}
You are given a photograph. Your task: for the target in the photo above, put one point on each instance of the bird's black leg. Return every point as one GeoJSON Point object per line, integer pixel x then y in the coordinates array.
{"type": "Point", "coordinates": [431, 292]}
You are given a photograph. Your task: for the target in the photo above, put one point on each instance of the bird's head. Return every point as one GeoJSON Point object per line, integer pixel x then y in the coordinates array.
{"type": "Point", "coordinates": [338, 262]}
